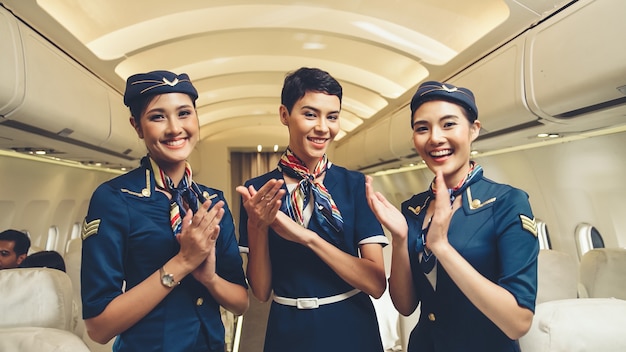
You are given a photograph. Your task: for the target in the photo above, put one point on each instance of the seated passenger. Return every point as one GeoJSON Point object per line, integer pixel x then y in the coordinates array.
{"type": "Point", "coordinates": [14, 247]}
{"type": "Point", "coordinates": [44, 259]}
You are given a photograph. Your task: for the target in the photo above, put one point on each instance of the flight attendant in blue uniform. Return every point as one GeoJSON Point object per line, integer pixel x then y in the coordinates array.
{"type": "Point", "coordinates": [160, 254]}
{"type": "Point", "coordinates": [465, 249]}
{"type": "Point", "coordinates": [310, 235]}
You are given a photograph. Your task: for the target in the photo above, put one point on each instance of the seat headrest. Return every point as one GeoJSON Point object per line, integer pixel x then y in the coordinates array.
{"type": "Point", "coordinates": [579, 324]}
{"type": "Point", "coordinates": [30, 339]}
{"type": "Point", "coordinates": [557, 276]}
{"type": "Point", "coordinates": [603, 272]}
{"type": "Point", "coordinates": [35, 297]}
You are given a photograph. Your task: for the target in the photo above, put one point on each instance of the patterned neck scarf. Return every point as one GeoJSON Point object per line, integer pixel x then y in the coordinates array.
{"type": "Point", "coordinates": [462, 185]}
{"type": "Point", "coordinates": [186, 192]}
{"type": "Point", "coordinates": [475, 172]}
{"type": "Point", "coordinates": [299, 198]}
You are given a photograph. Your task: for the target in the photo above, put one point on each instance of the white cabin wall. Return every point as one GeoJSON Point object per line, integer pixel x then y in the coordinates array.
{"type": "Point", "coordinates": [36, 195]}
{"type": "Point", "coordinates": [568, 183]}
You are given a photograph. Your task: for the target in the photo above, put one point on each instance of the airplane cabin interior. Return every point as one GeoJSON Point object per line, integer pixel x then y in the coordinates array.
{"type": "Point", "coordinates": [550, 84]}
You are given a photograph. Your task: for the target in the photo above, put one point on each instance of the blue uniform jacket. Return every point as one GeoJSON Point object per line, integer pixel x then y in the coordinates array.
{"type": "Point", "coordinates": [496, 233]}
{"type": "Point", "coordinates": [127, 236]}
{"type": "Point", "coordinates": [349, 325]}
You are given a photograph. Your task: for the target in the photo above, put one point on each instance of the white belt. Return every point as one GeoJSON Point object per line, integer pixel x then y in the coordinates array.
{"type": "Point", "coordinates": [314, 302]}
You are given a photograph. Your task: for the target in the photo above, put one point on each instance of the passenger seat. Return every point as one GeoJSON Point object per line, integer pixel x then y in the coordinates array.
{"type": "Point", "coordinates": [73, 257]}
{"type": "Point", "coordinates": [603, 273]}
{"type": "Point", "coordinates": [37, 311]}
{"type": "Point", "coordinates": [557, 276]}
{"type": "Point", "coordinates": [579, 324]}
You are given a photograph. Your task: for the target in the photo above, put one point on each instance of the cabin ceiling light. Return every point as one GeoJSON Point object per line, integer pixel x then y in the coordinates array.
{"type": "Point", "coordinates": [259, 148]}
{"type": "Point", "coordinates": [548, 135]}
{"type": "Point", "coordinates": [313, 46]}
{"type": "Point", "coordinates": [275, 148]}
{"type": "Point", "coordinates": [35, 151]}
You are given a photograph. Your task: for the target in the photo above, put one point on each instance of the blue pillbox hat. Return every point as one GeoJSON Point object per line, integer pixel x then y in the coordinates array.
{"type": "Point", "coordinates": [157, 82]}
{"type": "Point", "coordinates": [433, 90]}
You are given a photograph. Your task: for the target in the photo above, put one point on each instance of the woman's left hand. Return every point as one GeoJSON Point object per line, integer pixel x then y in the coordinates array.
{"type": "Point", "coordinates": [205, 272]}
{"type": "Point", "coordinates": [290, 230]}
{"type": "Point", "coordinates": [209, 226]}
{"type": "Point", "coordinates": [437, 237]}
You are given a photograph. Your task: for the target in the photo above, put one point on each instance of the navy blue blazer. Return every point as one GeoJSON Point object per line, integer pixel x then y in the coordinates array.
{"type": "Point", "coordinates": [127, 236]}
{"type": "Point", "coordinates": [495, 232]}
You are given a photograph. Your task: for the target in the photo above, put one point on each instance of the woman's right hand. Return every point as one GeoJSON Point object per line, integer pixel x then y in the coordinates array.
{"type": "Point", "coordinates": [385, 212]}
{"type": "Point", "coordinates": [262, 205]}
{"type": "Point", "coordinates": [199, 233]}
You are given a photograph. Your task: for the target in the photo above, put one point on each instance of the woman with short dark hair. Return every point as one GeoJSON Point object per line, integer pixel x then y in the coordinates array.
{"type": "Point", "coordinates": [312, 239]}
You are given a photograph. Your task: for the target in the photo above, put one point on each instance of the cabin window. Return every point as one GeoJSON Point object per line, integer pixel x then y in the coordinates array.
{"type": "Point", "coordinates": [53, 235]}
{"type": "Point", "coordinates": [587, 238]}
{"type": "Point", "coordinates": [75, 231]}
{"type": "Point", "coordinates": [543, 235]}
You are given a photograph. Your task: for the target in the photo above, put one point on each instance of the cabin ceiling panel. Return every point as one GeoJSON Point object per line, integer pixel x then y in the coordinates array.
{"type": "Point", "coordinates": [233, 128]}
{"type": "Point", "coordinates": [131, 26]}
{"type": "Point", "coordinates": [542, 6]}
{"type": "Point", "coordinates": [233, 93]}
{"type": "Point", "coordinates": [237, 52]}
{"type": "Point", "coordinates": [231, 109]}
{"type": "Point", "coordinates": [245, 51]}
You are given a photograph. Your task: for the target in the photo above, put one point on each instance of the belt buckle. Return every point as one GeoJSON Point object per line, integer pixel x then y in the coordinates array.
{"type": "Point", "coordinates": [307, 303]}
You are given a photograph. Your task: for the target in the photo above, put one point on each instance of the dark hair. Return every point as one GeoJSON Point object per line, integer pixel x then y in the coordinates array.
{"type": "Point", "coordinates": [21, 240]}
{"type": "Point", "coordinates": [44, 259]}
{"type": "Point", "coordinates": [306, 79]}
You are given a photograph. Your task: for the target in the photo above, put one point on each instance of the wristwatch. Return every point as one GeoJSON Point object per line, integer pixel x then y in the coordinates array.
{"type": "Point", "coordinates": [168, 279]}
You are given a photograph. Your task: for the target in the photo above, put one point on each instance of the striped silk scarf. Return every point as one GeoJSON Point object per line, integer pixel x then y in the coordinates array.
{"type": "Point", "coordinates": [428, 259]}
{"type": "Point", "coordinates": [298, 199]}
{"type": "Point", "coordinates": [186, 192]}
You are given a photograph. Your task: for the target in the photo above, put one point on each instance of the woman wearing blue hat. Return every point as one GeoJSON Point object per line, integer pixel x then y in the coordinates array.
{"type": "Point", "coordinates": [312, 239]}
{"type": "Point", "coordinates": [159, 250]}
{"type": "Point", "coordinates": [465, 249]}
